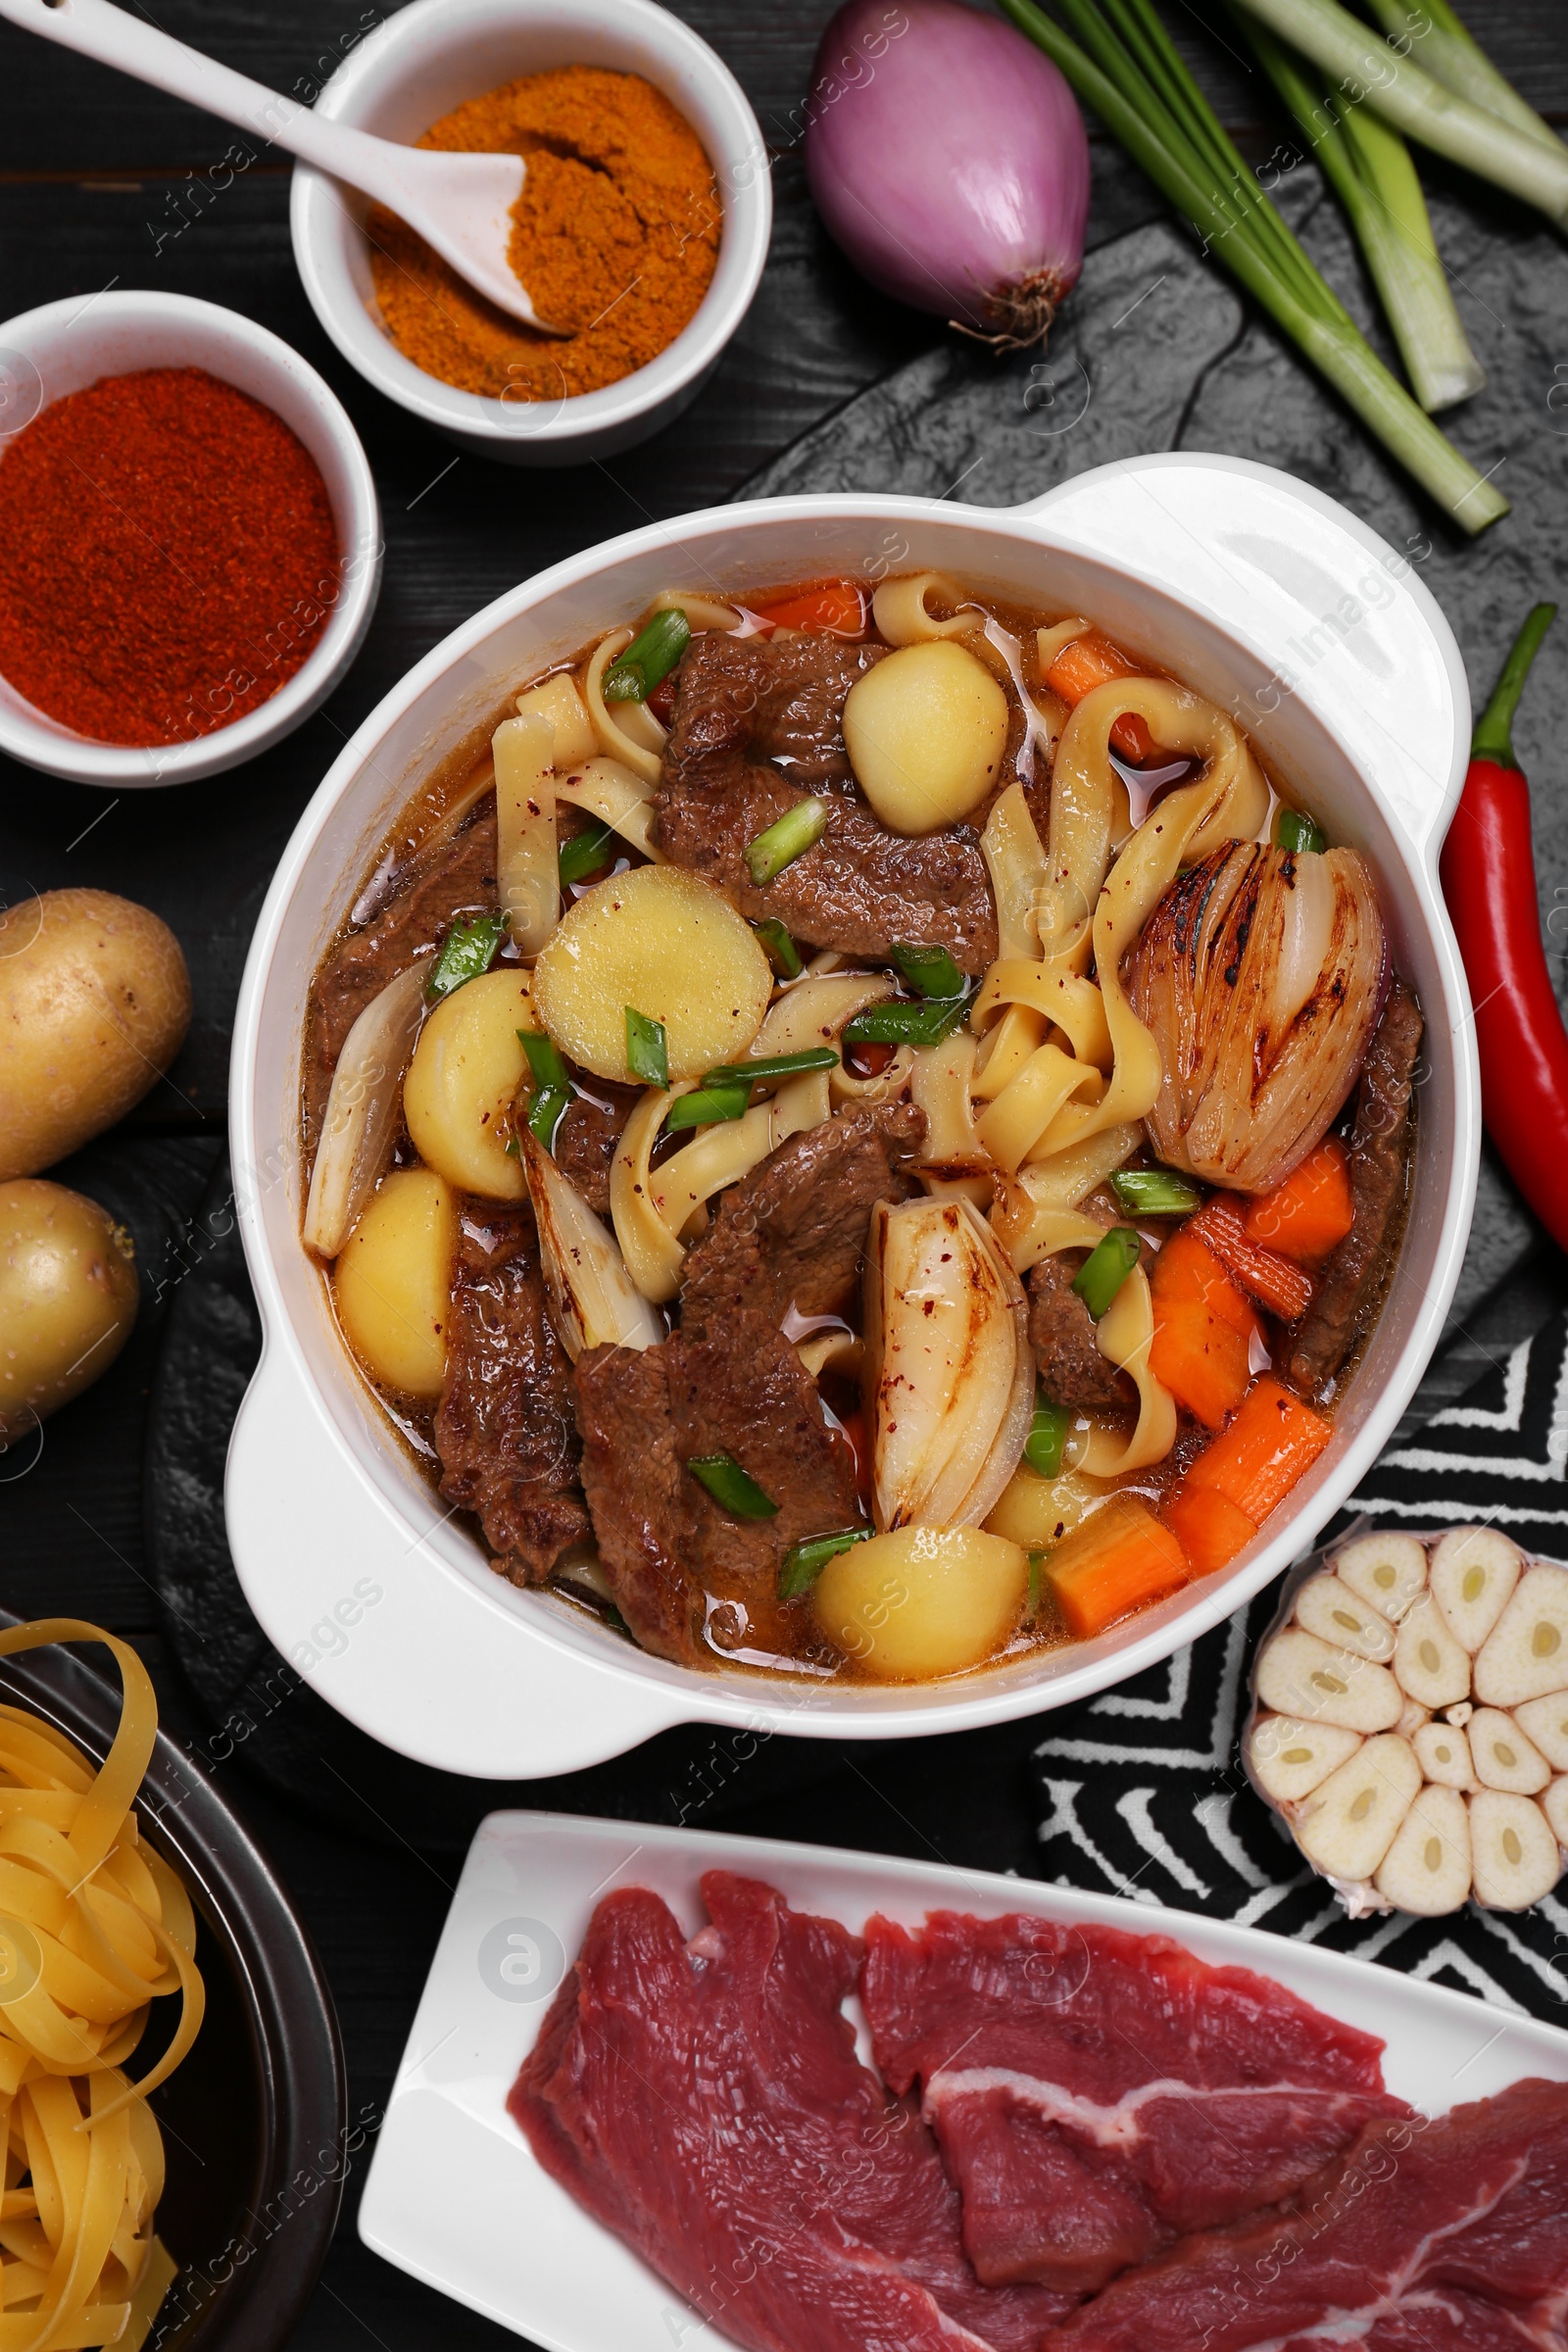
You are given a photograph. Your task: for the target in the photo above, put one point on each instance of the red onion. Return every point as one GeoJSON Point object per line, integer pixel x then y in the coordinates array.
{"type": "Point", "coordinates": [947, 157]}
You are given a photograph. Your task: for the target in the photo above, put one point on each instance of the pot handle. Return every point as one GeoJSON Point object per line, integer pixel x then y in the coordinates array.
{"type": "Point", "coordinates": [413, 1652]}
{"type": "Point", "coordinates": [1335, 616]}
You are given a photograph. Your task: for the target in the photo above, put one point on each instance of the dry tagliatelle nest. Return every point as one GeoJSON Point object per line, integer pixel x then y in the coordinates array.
{"type": "Point", "coordinates": [1411, 1722]}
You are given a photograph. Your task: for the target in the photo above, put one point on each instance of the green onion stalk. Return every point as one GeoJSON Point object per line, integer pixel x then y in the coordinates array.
{"type": "Point", "coordinates": [1368, 166]}
{"type": "Point", "coordinates": [1453, 56]}
{"type": "Point", "coordinates": [1426, 109]}
{"type": "Point", "coordinates": [1128, 69]}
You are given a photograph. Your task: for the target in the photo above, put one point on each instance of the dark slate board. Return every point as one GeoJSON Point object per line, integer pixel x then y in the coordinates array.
{"type": "Point", "coordinates": [1154, 350]}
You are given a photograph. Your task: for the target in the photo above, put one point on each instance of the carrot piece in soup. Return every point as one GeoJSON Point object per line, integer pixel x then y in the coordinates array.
{"type": "Point", "coordinates": [1201, 1360]}
{"type": "Point", "coordinates": [836, 605]}
{"type": "Point", "coordinates": [1311, 1210]}
{"type": "Point", "coordinates": [1208, 1525]}
{"type": "Point", "coordinates": [1091, 661]}
{"type": "Point", "coordinates": [1187, 1269]}
{"type": "Point", "coordinates": [1273, 1441]}
{"type": "Point", "coordinates": [1117, 1560]}
{"type": "Point", "coordinates": [1273, 1281]}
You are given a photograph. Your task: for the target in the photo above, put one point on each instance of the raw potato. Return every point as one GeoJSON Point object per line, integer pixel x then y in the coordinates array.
{"type": "Point", "coordinates": [1427, 1868]}
{"type": "Point", "coordinates": [94, 1005]}
{"type": "Point", "coordinates": [1291, 1757]}
{"type": "Point", "coordinates": [922, 1601]}
{"type": "Point", "coordinates": [1348, 1823]}
{"type": "Point", "coordinates": [1526, 1654]}
{"type": "Point", "coordinates": [1335, 1614]}
{"type": "Point", "coordinates": [1474, 1570]}
{"type": "Point", "coordinates": [925, 730]}
{"type": "Point", "coordinates": [1513, 1855]}
{"type": "Point", "coordinates": [1389, 1571]}
{"type": "Point", "coordinates": [1430, 1666]}
{"type": "Point", "coordinates": [1442, 1751]}
{"type": "Point", "coordinates": [393, 1282]}
{"type": "Point", "coordinates": [1503, 1757]}
{"type": "Point", "coordinates": [463, 1081]}
{"type": "Point", "coordinates": [1299, 1675]}
{"type": "Point", "coordinates": [1545, 1721]}
{"type": "Point", "coordinates": [67, 1299]}
{"type": "Point", "coordinates": [666, 943]}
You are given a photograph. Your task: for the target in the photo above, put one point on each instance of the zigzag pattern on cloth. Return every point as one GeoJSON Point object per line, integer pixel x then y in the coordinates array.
{"type": "Point", "coordinates": [1141, 1790]}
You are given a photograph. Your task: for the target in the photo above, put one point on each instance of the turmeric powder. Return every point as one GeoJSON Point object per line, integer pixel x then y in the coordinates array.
{"type": "Point", "coordinates": [616, 236]}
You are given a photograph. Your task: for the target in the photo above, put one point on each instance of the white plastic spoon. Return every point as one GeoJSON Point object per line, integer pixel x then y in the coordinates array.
{"type": "Point", "coordinates": [459, 204]}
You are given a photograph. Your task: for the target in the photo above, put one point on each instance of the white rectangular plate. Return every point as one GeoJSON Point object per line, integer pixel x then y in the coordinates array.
{"type": "Point", "coordinates": [455, 2195]}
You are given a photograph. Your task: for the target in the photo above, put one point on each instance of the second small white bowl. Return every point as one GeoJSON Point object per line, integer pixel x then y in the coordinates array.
{"type": "Point", "coordinates": [432, 56]}
{"type": "Point", "coordinates": [66, 346]}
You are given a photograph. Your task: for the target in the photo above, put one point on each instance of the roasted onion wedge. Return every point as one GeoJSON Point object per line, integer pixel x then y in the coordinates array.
{"type": "Point", "coordinates": [1260, 975]}
{"type": "Point", "coordinates": [950, 1375]}
{"type": "Point", "coordinates": [360, 1110]}
{"type": "Point", "coordinates": [596, 1301]}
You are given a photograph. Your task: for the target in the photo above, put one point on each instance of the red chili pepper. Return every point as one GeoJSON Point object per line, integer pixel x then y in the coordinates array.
{"type": "Point", "coordinates": [1489, 879]}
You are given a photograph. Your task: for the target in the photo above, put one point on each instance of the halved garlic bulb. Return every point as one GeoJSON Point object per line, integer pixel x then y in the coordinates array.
{"type": "Point", "coordinates": [948, 1370]}
{"type": "Point", "coordinates": [1464, 1796]}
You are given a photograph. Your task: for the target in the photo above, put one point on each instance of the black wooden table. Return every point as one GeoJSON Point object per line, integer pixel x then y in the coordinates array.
{"type": "Point", "coordinates": [103, 184]}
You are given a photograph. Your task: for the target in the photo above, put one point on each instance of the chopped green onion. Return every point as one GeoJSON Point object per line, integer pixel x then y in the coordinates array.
{"type": "Point", "coordinates": [1106, 1269]}
{"type": "Point", "coordinates": [1369, 166]}
{"type": "Point", "coordinates": [647, 1055]}
{"type": "Point", "coordinates": [649, 658]}
{"type": "Point", "coordinates": [780, 950]}
{"type": "Point", "coordinates": [731, 1487]}
{"type": "Point", "coordinates": [897, 1022]}
{"type": "Point", "coordinates": [787, 838]}
{"type": "Point", "coordinates": [467, 950]}
{"type": "Point", "coordinates": [1156, 1192]}
{"type": "Point", "coordinates": [585, 853]}
{"type": "Point", "coordinates": [1295, 830]}
{"type": "Point", "coordinates": [1404, 94]}
{"type": "Point", "coordinates": [930, 971]}
{"type": "Point", "coordinates": [804, 1563]}
{"type": "Point", "coordinates": [774, 1066]}
{"type": "Point", "coordinates": [544, 1058]}
{"type": "Point", "coordinates": [1031, 1606]}
{"type": "Point", "coordinates": [707, 1107]}
{"type": "Point", "coordinates": [544, 1112]}
{"type": "Point", "coordinates": [1047, 1437]}
{"type": "Point", "coordinates": [1133, 76]}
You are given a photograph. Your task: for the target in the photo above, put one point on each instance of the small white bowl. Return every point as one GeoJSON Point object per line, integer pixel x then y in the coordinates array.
{"type": "Point", "coordinates": [65, 346]}
{"type": "Point", "coordinates": [432, 56]}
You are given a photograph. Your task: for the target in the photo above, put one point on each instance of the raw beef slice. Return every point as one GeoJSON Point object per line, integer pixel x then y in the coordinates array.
{"type": "Point", "coordinates": [1444, 2236]}
{"type": "Point", "coordinates": [705, 2101]}
{"type": "Point", "coordinates": [1098, 2094]}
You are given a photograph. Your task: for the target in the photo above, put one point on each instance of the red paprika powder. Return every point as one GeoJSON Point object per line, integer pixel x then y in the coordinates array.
{"type": "Point", "coordinates": [167, 556]}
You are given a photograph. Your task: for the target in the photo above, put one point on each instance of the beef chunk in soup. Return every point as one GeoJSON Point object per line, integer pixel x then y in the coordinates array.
{"type": "Point", "coordinates": [793, 1232]}
{"type": "Point", "coordinates": [1072, 1371]}
{"type": "Point", "coordinates": [666, 1545]}
{"type": "Point", "coordinates": [455, 876]}
{"type": "Point", "coordinates": [586, 1135]}
{"type": "Point", "coordinates": [758, 725]}
{"type": "Point", "coordinates": [505, 1429]}
{"type": "Point", "coordinates": [1350, 1287]}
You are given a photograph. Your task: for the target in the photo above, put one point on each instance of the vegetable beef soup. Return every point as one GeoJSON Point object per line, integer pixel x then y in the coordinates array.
{"type": "Point", "coordinates": [863, 1137]}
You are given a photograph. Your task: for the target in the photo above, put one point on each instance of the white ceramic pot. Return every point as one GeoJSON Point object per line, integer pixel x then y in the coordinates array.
{"type": "Point", "coordinates": [427, 58]}
{"type": "Point", "coordinates": [1262, 594]}
{"type": "Point", "coordinates": [67, 345]}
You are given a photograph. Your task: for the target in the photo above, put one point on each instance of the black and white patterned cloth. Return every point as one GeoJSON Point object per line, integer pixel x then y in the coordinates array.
{"type": "Point", "coordinates": [1143, 1791]}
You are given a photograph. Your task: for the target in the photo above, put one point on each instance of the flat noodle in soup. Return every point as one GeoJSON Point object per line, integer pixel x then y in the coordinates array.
{"type": "Point", "coordinates": [879, 1155]}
